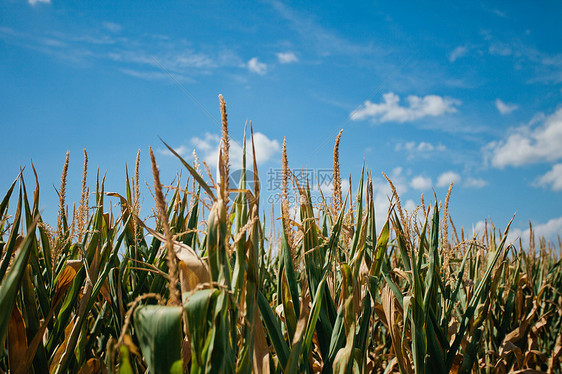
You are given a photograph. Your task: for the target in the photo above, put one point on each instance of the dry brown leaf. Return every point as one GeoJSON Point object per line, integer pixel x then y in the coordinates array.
{"type": "Point", "coordinates": [556, 353]}
{"type": "Point", "coordinates": [104, 290]}
{"type": "Point", "coordinates": [62, 347]}
{"type": "Point", "coordinates": [17, 339]}
{"type": "Point", "coordinates": [25, 364]}
{"type": "Point", "coordinates": [507, 348]}
{"type": "Point", "coordinates": [186, 351]}
{"type": "Point", "coordinates": [401, 273]}
{"type": "Point", "coordinates": [379, 311]}
{"type": "Point", "coordinates": [390, 310]}
{"type": "Point", "coordinates": [63, 282]}
{"type": "Point", "coordinates": [453, 328]}
{"type": "Point", "coordinates": [534, 356]}
{"type": "Point", "coordinates": [91, 366]}
{"type": "Point", "coordinates": [457, 361]}
{"type": "Point", "coordinates": [128, 341]}
{"type": "Point", "coordinates": [261, 349]}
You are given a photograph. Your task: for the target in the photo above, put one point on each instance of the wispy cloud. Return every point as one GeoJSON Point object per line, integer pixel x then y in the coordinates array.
{"type": "Point", "coordinates": [500, 49]}
{"type": "Point", "coordinates": [505, 108]}
{"type": "Point", "coordinates": [475, 183]}
{"type": "Point", "coordinates": [552, 178]}
{"type": "Point", "coordinates": [527, 145]}
{"type": "Point", "coordinates": [499, 13]}
{"type": "Point", "coordinates": [255, 66]}
{"type": "Point", "coordinates": [112, 26]}
{"type": "Point", "coordinates": [543, 67]}
{"type": "Point", "coordinates": [419, 147]}
{"type": "Point", "coordinates": [34, 2]}
{"type": "Point", "coordinates": [287, 57]}
{"type": "Point", "coordinates": [418, 107]}
{"type": "Point", "coordinates": [144, 56]}
{"type": "Point", "coordinates": [324, 41]}
{"type": "Point", "coordinates": [457, 53]}
{"type": "Point", "coordinates": [156, 75]}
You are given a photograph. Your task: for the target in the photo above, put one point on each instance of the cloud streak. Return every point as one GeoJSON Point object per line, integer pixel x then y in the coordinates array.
{"type": "Point", "coordinates": [543, 67]}
{"type": "Point", "coordinates": [457, 53]}
{"type": "Point", "coordinates": [505, 108]}
{"type": "Point", "coordinates": [35, 2]}
{"type": "Point", "coordinates": [144, 56]}
{"type": "Point", "coordinates": [324, 41]}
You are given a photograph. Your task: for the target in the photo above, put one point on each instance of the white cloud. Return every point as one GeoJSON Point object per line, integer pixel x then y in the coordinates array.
{"type": "Point", "coordinates": [287, 57]}
{"type": "Point", "coordinates": [475, 183]}
{"type": "Point", "coordinates": [458, 52]}
{"type": "Point", "coordinates": [425, 147]}
{"type": "Point", "coordinates": [505, 108]}
{"type": "Point", "coordinates": [548, 230]}
{"type": "Point", "coordinates": [526, 145]}
{"type": "Point", "coordinates": [328, 187]}
{"type": "Point", "coordinates": [447, 177]}
{"type": "Point", "coordinates": [265, 148]}
{"type": "Point", "coordinates": [421, 183]}
{"type": "Point", "coordinates": [207, 147]}
{"type": "Point", "coordinates": [255, 66]}
{"type": "Point", "coordinates": [33, 2]}
{"type": "Point", "coordinates": [553, 178]}
{"type": "Point", "coordinates": [418, 107]}
{"type": "Point", "coordinates": [410, 206]}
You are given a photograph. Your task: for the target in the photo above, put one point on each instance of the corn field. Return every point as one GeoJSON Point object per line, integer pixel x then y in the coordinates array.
{"type": "Point", "coordinates": [203, 287]}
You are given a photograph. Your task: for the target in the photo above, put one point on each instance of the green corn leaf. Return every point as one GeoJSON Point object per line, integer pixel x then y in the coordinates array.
{"type": "Point", "coordinates": [10, 246]}
{"type": "Point", "coordinates": [158, 329]}
{"type": "Point", "coordinates": [11, 283]}
{"type": "Point", "coordinates": [6, 199]}
{"type": "Point", "coordinates": [273, 329]}
{"type": "Point", "coordinates": [124, 361]}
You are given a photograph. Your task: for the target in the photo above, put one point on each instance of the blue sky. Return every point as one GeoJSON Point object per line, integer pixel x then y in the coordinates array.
{"type": "Point", "coordinates": [428, 93]}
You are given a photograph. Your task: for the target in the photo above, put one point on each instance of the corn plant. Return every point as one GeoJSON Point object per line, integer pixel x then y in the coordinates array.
{"type": "Point", "coordinates": [208, 287]}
